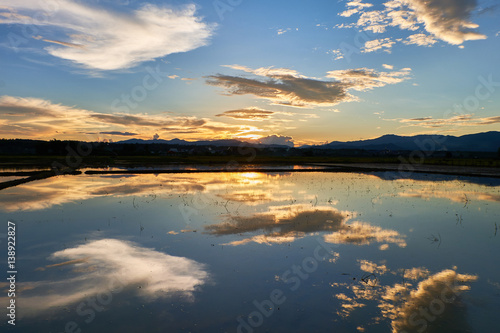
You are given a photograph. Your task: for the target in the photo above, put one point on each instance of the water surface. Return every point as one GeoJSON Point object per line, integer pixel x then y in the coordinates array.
{"type": "Point", "coordinates": [255, 252]}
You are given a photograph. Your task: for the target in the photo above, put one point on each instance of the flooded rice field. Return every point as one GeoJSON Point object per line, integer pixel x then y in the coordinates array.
{"type": "Point", "coordinates": [254, 252]}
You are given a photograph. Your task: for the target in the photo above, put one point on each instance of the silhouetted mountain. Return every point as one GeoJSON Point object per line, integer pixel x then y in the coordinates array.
{"type": "Point", "coordinates": [484, 142]}
{"type": "Point", "coordinates": [218, 143]}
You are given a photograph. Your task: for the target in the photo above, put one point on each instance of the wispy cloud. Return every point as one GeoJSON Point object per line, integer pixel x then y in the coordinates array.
{"type": "Point", "coordinates": [100, 39]}
{"type": "Point", "coordinates": [449, 21]}
{"type": "Point", "coordinates": [42, 119]}
{"type": "Point", "coordinates": [119, 133]}
{"type": "Point", "coordinates": [111, 265]}
{"type": "Point", "coordinates": [252, 114]}
{"type": "Point", "coordinates": [285, 86]}
{"type": "Point", "coordinates": [362, 79]}
{"type": "Point", "coordinates": [462, 120]}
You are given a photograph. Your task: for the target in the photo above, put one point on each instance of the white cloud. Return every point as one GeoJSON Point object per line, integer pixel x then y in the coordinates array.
{"type": "Point", "coordinates": [420, 39]}
{"type": "Point", "coordinates": [109, 266]}
{"type": "Point", "coordinates": [461, 120]}
{"type": "Point", "coordinates": [445, 20]}
{"type": "Point", "coordinates": [354, 7]}
{"type": "Point", "coordinates": [338, 54]}
{"type": "Point", "coordinates": [375, 21]}
{"type": "Point", "coordinates": [378, 44]}
{"type": "Point", "coordinates": [100, 39]}
{"type": "Point", "coordinates": [362, 79]}
{"type": "Point", "coordinates": [277, 140]}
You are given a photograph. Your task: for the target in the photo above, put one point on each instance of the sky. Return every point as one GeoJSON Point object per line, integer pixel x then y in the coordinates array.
{"type": "Point", "coordinates": [262, 71]}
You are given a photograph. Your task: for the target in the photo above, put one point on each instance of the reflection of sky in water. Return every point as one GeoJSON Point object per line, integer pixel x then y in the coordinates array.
{"type": "Point", "coordinates": [398, 243]}
{"type": "Point", "coordinates": [109, 265]}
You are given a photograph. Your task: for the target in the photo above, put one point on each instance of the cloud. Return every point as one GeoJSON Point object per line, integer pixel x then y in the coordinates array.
{"type": "Point", "coordinates": [100, 39]}
{"type": "Point", "coordinates": [266, 71]}
{"type": "Point", "coordinates": [283, 31]}
{"type": "Point", "coordinates": [337, 54]}
{"type": "Point", "coordinates": [285, 86]}
{"type": "Point", "coordinates": [354, 6]}
{"type": "Point", "coordinates": [433, 304]}
{"type": "Point", "coordinates": [388, 66]}
{"type": "Point", "coordinates": [63, 43]}
{"type": "Point", "coordinates": [282, 221]}
{"type": "Point", "coordinates": [420, 39]}
{"type": "Point", "coordinates": [445, 20]}
{"type": "Point", "coordinates": [452, 194]}
{"type": "Point", "coordinates": [362, 79]}
{"type": "Point", "coordinates": [277, 140]}
{"type": "Point", "coordinates": [361, 233]}
{"type": "Point", "coordinates": [109, 266]}
{"type": "Point", "coordinates": [249, 197]}
{"type": "Point", "coordinates": [119, 133]}
{"type": "Point", "coordinates": [371, 267]}
{"type": "Point", "coordinates": [47, 193]}
{"type": "Point", "coordinates": [42, 119]}
{"type": "Point", "coordinates": [375, 21]}
{"type": "Point", "coordinates": [252, 114]}
{"type": "Point", "coordinates": [378, 44]}
{"type": "Point", "coordinates": [288, 223]}
{"type": "Point", "coordinates": [461, 120]}
{"type": "Point", "coordinates": [404, 306]}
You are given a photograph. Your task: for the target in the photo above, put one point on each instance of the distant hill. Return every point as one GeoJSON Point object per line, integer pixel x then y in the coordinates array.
{"type": "Point", "coordinates": [483, 142]}
{"type": "Point", "coordinates": [218, 143]}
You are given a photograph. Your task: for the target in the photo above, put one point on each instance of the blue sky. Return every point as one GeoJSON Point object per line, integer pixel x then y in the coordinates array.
{"type": "Point", "coordinates": [288, 71]}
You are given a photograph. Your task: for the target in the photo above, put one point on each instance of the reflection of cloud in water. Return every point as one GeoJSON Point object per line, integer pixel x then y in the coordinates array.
{"type": "Point", "coordinates": [287, 223]}
{"type": "Point", "coordinates": [371, 267]}
{"type": "Point", "coordinates": [432, 305]}
{"type": "Point", "coordinates": [46, 193]}
{"type": "Point", "coordinates": [104, 265]}
{"type": "Point", "coordinates": [455, 196]}
{"type": "Point", "coordinates": [362, 233]}
{"type": "Point", "coordinates": [248, 197]}
{"type": "Point", "coordinates": [66, 189]}
{"type": "Point", "coordinates": [437, 295]}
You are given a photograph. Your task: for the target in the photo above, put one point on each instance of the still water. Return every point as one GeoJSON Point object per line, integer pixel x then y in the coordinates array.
{"type": "Point", "coordinates": [253, 252]}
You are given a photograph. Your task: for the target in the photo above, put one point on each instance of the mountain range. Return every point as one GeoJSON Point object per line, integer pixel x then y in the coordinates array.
{"type": "Point", "coordinates": [484, 142]}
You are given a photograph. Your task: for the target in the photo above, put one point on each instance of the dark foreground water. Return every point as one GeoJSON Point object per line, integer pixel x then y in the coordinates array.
{"type": "Point", "coordinates": [253, 252]}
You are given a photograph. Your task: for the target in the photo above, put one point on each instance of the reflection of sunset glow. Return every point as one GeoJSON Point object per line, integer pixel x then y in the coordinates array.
{"type": "Point", "coordinates": [250, 175]}
{"type": "Point", "coordinates": [108, 264]}
{"type": "Point", "coordinates": [458, 196]}
{"type": "Point", "coordinates": [46, 193]}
